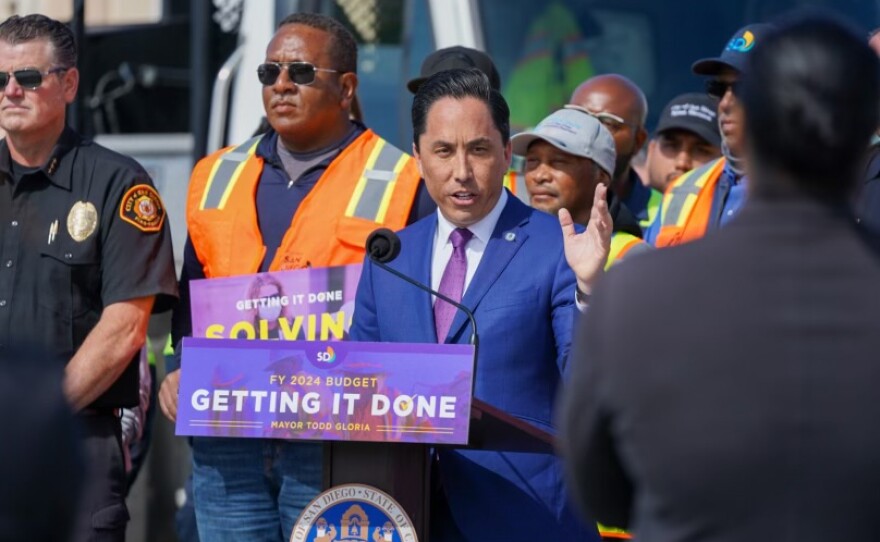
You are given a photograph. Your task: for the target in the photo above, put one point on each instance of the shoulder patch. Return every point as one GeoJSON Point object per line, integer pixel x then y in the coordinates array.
{"type": "Point", "coordinates": [142, 208]}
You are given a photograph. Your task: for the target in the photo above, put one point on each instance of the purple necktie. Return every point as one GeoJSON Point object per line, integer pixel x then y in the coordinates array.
{"type": "Point", "coordinates": [452, 283]}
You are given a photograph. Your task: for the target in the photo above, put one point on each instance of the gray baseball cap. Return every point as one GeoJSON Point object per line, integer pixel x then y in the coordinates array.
{"type": "Point", "coordinates": [575, 131]}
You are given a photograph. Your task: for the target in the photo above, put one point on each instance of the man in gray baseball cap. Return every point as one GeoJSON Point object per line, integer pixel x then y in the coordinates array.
{"type": "Point", "coordinates": [567, 155]}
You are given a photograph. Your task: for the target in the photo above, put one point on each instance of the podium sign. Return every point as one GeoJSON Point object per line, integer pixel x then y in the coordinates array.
{"type": "Point", "coordinates": [320, 390]}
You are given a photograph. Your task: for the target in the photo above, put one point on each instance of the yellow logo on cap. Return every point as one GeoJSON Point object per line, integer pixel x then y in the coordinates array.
{"type": "Point", "coordinates": [742, 44]}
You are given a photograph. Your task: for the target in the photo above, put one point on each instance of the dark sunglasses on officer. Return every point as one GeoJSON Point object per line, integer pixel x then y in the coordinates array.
{"type": "Point", "coordinates": [301, 73]}
{"type": "Point", "coordinates": [718, 88]}
{"type": "Point", "coordinates": [28, 78]}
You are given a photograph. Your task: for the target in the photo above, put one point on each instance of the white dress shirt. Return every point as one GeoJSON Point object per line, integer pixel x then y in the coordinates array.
{"type": "Point", "coordinates": [475, 248]}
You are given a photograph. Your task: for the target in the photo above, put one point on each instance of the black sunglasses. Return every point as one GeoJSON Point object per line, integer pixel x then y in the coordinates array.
{"type": "Point", "coordinates": [29, 78]}
{"type": "Point", "coordinates": [718, 89]}
{"type": "Point", "coordinates": [301, 73]}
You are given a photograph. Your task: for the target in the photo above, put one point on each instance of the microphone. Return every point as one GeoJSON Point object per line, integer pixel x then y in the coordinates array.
{"type": "Point", "coordinates": [383, 246]}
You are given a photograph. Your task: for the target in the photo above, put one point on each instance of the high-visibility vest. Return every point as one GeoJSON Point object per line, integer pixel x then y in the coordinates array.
{"type": "Point", "coordinates": [653, 207]}
{"type": "Point", "coordinates": [370, 184]}
{"type": "Point", "coordinates": [512, 180]}
{"type": "Point", "coordinates": [687, 205]}
{"type": "Point", "coordinates": [612, 533]}
{"type": "Point", "coordinates": [623, 243]}
{"type": "Point", "coordinates": [167, 351]}
{"type": "Point", "coordinates": [554, 60]}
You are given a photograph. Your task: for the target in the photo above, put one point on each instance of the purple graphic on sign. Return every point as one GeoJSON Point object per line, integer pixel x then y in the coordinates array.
{"type": "Point", "coordinates": [320, 390]}
{"type": "Point", "coordinates": [300, 305]}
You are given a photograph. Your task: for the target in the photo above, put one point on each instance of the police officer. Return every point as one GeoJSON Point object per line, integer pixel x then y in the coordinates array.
{"type": "Point", "coordinates": [85, 253]}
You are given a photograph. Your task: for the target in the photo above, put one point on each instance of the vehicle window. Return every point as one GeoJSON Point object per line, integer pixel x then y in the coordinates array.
{"type": "Point", "coordinates": [543, 50]}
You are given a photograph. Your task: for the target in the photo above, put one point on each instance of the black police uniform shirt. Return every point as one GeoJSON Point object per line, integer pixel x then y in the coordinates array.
{"type": "Point", "coordinates": [84, 231]}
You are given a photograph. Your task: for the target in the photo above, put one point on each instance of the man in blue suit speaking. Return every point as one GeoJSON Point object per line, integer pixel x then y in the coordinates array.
{"type": "Point", "coordinates": [505, 262]}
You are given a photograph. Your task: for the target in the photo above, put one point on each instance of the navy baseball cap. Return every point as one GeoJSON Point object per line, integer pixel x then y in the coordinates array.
{"type": "Point", "coordinates": [695, 112]}
{"type": "Point", "coordinates": [452, 58]}
{"type": "Point", "coordinates": [736, 52]}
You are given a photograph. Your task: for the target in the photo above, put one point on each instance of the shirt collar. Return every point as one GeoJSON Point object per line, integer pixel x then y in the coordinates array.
{"type": "Point", "coordinates": [482, 230]}
{"type": "Point", "coordinates": [267, 148]}
{"type": "Point", "coordinates": [56, 169]}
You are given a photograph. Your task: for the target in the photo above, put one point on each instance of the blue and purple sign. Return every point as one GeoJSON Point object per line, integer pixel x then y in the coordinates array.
{"type": "Point", "coordinates": [326, 390]}
{"type": "Point", "coordinates": [300, 305]}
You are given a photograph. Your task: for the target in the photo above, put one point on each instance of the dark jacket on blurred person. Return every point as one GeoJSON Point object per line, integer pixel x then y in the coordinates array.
{"type": "Point", "coordinates": [749, 412]}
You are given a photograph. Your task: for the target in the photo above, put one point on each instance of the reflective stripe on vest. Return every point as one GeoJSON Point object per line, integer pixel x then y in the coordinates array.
{"type": "Point", "coordinates": [612, 532]}
{"type": "Point", "coordinates": [510, 181]}
{"type": "Point", "coordinates": [373, 191]}
{"type": "Point", "coordinates": [654, 203]}
{"type": "Point", "coordinates": [687, 205]}
{"type": "Point", "coordinates": [226, 171]}
{"type": "Point", "coordinates": [681, 197]}
{"type": "Point", "coordinates": [623, 243]}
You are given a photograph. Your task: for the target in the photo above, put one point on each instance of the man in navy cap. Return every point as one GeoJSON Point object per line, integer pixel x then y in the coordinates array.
{"type": "Point", "coordinates": [452, 58]}
{"type": "Point", "coordinates": [719, 185]}
{"type": "Point", "coordinates": [686, 138]}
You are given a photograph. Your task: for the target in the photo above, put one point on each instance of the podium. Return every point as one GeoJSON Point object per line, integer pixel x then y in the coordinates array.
{"type": "Point", "coordinates": [378, 413]}
{"type": "Point", "coordinates": [404, 470]}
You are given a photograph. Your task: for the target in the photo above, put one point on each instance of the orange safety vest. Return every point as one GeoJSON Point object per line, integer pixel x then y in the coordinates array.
{"type": "Point", "coordinates": [687, 205]}
{"type": "Point", "coordinates": [370, 184]}
{"type": "Point", "coordinates": [623, 243]}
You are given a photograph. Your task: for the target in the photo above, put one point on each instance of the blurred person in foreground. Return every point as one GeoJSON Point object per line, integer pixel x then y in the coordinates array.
{"type": "Point", "coordinates": [686, 137]}
{"type": "Point", "coordinates": [752, 415]}
{"type": "Point", "coordinates": [41, 461]}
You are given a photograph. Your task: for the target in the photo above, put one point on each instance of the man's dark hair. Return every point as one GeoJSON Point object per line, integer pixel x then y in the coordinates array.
{"type": "Point", "coordinates": [343, 47]}
{"type": "Point", "coordinates": [459, 84]}
{"type": "Point", "coordinates": [18, 29]}
{"type": "Point", "coordinates": [807, 120]}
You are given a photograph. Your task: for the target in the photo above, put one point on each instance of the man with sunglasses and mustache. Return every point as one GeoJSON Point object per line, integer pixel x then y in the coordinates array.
{"type": "Point", "coordinates": [304, 194]}
{"type": "Point", "coordinates": [85, 251]}
{"type": "Point", "coordinates": [720, 185]}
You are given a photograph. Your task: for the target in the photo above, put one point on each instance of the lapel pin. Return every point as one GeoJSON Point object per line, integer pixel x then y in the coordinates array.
{"type": "Point", "coordinates": [510, 236]}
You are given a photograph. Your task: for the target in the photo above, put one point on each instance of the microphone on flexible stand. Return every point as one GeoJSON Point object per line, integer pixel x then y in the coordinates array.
{"type": "Point", "coordinates": [383, 246]}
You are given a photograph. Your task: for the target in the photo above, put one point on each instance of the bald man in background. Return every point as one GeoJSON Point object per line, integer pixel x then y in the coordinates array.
{"type": "Point", "coordinates": [621, 106]}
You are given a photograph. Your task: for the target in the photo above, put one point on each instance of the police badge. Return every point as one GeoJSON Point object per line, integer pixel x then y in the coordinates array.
{"type": "Point", "coordinates": [82, 220]}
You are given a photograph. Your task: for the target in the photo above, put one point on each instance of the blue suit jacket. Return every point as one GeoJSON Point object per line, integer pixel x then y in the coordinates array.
{"type": "Point", "coordinates": [522, 296]}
